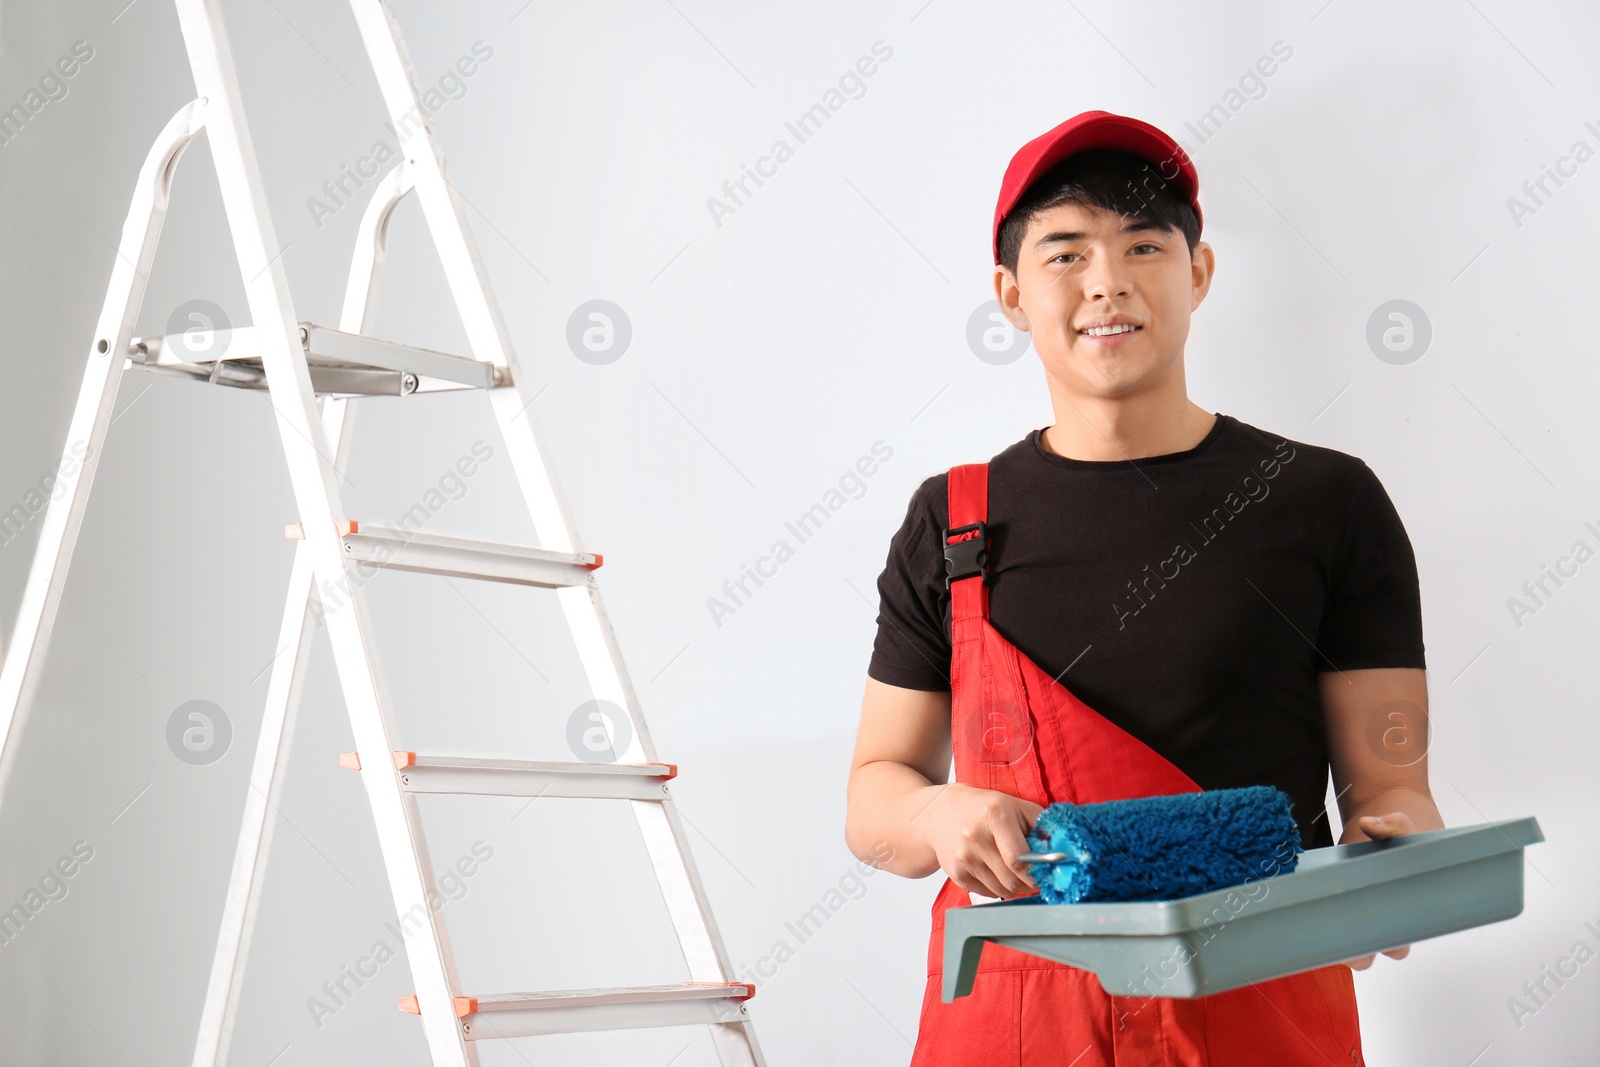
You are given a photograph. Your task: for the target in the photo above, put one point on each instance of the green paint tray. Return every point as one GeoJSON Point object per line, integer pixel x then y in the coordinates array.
{"type": "Point", "coordinates": [1338, 903]}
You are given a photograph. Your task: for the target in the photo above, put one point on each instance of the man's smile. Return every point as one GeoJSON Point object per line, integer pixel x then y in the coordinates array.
{"type": "Point", "coordinates": [1110, 330]}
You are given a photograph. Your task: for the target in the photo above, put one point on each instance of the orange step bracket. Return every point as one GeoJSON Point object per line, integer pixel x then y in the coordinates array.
{"type": "Point", "coordinates": [465, 1006]}
{"type": "Point", "coordinates": [351, 761]}
{"type": "Point", "coordinates": [296, 531]}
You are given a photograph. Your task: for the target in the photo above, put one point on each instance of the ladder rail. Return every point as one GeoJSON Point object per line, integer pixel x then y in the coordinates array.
{"type": "Point", "coordinates": [488, 338]}
{"type": "Point", "coordinates": [231, 956]}
{"type": "Point", "coordinates": [662, 829]}
{"type": "Point", "coordinates": [313, 475]}
{"type": "Point", "coordinates": [659, 824]}
{"type": "Point", "coordinates": [86, 433]}
{"type": "Point", "coordinates": [241, 905]}
{"type": "Point", "coordinates": [284, 690]}
{"type": "Point", "coordinates": [372, 249]}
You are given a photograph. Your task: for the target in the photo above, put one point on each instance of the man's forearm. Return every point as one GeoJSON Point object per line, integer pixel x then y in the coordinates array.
{"type": "Point", "coordinates": [884, 803]}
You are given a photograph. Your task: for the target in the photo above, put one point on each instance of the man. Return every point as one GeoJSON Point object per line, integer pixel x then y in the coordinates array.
{"type": "Point", "coordinates": [1143, 597]}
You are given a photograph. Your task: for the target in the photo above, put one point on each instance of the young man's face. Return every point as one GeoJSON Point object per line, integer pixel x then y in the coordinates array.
{"type": "Point", "coordinates": [1080, 266]}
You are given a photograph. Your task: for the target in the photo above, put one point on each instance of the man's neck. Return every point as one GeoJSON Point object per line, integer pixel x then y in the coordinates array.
{"type": "Point", "coordinates": [1113, 430]}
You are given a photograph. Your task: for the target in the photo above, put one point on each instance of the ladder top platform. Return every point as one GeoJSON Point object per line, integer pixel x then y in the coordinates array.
{"type": "Point", "coordinates": [341, 364]}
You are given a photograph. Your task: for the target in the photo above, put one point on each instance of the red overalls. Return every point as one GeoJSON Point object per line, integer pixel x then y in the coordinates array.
{"type": "Point", "coordinates": [1015, 729]}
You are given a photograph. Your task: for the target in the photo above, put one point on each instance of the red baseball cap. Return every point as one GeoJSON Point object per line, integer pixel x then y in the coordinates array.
{"type": "Point", "coordinates": [1082, 132]}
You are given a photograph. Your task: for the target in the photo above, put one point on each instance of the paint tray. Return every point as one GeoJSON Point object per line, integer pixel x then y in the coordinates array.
{"type": "Point", "coordinates": [1338, 903]}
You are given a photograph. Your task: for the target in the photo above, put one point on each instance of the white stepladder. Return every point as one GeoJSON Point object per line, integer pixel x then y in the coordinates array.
{"type": "Point", "coordinates": [298, 363]}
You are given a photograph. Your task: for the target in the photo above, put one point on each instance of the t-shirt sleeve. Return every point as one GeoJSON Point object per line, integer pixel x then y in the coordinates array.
{"type": "Point", "coordinates": [912, 647]}
{"type": "Point", "coordinates": [1373, 616]}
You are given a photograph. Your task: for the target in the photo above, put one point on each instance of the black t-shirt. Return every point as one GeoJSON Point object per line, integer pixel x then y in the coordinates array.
{"type": "Point", "coordinates": [1190, 598]}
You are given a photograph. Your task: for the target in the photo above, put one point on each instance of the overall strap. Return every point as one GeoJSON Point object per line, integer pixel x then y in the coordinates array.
{"type": "Point", "coordinates": [966, 542]}
{"type": "Point", "coordinates": [993, 730]}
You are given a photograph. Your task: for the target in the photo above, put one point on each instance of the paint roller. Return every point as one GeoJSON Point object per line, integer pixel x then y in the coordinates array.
{"type": "Point", "coordinates": [1163, 847]}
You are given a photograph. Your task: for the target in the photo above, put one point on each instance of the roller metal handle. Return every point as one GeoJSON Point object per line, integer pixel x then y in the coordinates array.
{"type": "Point", "coordinates": [1077, 855]}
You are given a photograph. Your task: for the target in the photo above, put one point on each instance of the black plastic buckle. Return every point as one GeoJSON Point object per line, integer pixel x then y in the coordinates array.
{"type": "Point", "coordinates": [968, 557]}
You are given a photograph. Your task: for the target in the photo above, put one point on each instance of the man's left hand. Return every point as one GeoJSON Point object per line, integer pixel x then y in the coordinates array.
{"type": "Point", "coordinates": [1380, 828]}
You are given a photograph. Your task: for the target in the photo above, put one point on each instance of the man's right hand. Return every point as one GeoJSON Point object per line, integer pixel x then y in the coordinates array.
{"type": "Point", "coordinates": [898, 798]}
{"type": "Point", "coordinates": [977, 835]}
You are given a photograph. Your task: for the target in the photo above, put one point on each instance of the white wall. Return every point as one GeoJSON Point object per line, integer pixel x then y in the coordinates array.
{"type": "Point", "coordinates": [769, 352]}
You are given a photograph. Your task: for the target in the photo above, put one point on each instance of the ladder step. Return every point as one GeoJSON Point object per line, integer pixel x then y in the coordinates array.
{"type": "Point", "coordinates": [472, 776]}
{"type": "Point", "coordinates": [572, 1011]}
{"type": "Point", "coordinates": [341, 364]}
{"type": "Point", "coordinates": [460, 557]}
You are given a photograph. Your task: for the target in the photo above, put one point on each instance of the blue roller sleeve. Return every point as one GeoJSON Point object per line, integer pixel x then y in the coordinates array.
{"type": "Point", "coordinates": [1162, 848]}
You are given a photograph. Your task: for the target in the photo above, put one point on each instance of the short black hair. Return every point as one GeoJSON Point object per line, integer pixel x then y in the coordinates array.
{"type": "Point", "coordinates": [1105, 178]}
